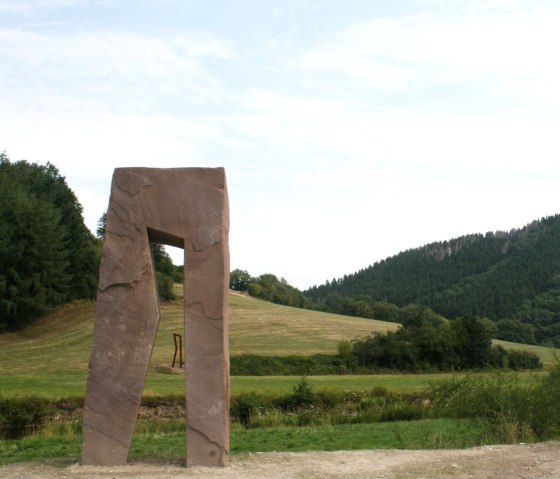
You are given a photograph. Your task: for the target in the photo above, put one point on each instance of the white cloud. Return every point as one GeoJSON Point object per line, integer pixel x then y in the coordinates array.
{"type": "Point", "coordinates": [512, 49]}
{"type": "Point", "coordinates": [119, 70]}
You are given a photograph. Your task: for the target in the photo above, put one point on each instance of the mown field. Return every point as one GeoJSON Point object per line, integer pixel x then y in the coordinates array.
{"type": "Point", "coordinates": [61, 341]}
{"type": "Point", "coordinates": [50, 357]}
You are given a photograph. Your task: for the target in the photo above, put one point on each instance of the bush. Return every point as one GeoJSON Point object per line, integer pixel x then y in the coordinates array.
{"type": "Point", "coordinates": [427, 342]}
{"type": "Point", "coordinates": [325, 407]}
{"type": "Point", "coordinates": [344, 349]}
{"type": "Point", "coordinates": [403, 412]}
{"type": "Point", "coordinates": [546, 419]}
{"type": "Point", "coordinates": [302, 395]}
{"type": "Point", "coordinates": [21, 416]}
{"type": "Point", "coordinates": [317, 364]}
{"type": "Point", "coordinates": [513, 412]}
{"type": "Point", "coordinates": [518, 360]}
{"type": "Point", "coordinates": [246, 405]}
{"type": "Point", "coordinates": [25, 415]}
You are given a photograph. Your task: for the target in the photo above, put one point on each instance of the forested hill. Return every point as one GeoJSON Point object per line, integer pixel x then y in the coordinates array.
{"type": "Point", "coordinates": [47, 254]}
{"type": "Point", "coordinates": [511, 278]}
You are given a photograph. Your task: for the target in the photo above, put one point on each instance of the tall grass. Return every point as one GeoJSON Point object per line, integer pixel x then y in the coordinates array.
{"type": "Point", "coordinates": [169, 446]}
{"type": "Point", "coordinates": [510, 411]}
{"type": "Point", "coordinates": [325, 407]}
{"type": "Point", "coordinates": [459, 412]}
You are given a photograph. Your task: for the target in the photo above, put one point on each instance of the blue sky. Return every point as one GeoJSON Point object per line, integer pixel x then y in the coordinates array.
{"type": "Point", "coordinates": [349, 131]}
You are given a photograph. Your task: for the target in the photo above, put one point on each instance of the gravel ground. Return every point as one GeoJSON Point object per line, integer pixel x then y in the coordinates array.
{"type": "Point", "coordinates": [526, 461]}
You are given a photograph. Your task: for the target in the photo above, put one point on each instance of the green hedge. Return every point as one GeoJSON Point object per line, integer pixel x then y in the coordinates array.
{"type": "Point", "coordinates": [317, 364]}
{"type": "Point", "coordinates": [324, 364]}
{"type": "Point", "coordinates": [23, 415]}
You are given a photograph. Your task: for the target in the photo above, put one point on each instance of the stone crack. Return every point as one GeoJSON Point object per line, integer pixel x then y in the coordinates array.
{"type": "Point", "coordinates": [130, 284]}
{"type": "Point", "coordinates": [204, 313]}
{"type": "Point", "coordinates": [103, 433]}
{"type": "Point", "coordinates": [205, 436]}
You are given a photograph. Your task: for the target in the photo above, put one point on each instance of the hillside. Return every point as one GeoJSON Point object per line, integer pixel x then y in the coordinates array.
{"type": "Point", "coordinates": [512, 278]}
{"type": "Point", "coordinates": [61, 341]}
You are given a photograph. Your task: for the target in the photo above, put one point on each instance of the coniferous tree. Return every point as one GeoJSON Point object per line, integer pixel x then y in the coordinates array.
{"type": "Point", "coordinates": [502, 276]}
{"type": "Point", "coordinates": [47, 255]}
{"type": "Point", "coordinates": [46, 184]}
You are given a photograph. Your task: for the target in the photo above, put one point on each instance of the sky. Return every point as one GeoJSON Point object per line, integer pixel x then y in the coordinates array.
{"type": "Point", "coordinates": [349, 131]}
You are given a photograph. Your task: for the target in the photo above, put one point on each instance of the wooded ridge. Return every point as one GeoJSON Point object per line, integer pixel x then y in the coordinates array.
{"type": "Point", "coordinates": [511, 278]}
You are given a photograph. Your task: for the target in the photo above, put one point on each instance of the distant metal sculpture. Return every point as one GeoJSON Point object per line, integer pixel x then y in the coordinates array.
{"type": "Point", "coordinates": [186, 208]}
{"type": "Point", "coordinates": [178, 340]}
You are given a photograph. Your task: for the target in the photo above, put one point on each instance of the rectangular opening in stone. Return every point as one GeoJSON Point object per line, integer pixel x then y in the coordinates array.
{"type": "Point", "coordinates": [165, 238]}
{"type": "Point", "coordinates": [171, 322]}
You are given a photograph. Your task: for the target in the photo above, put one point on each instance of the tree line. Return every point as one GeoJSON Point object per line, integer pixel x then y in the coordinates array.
{"type": "Point", "coordinates": [429, 342]}
{"type": "Point", "coordinates": [47, 254]}
{"type": "Point", "coordinates": [426, 342]}
{"type": "Point", "coordinates": [268, 287]}
{"type": "Point", "coordinates": [511, 278]}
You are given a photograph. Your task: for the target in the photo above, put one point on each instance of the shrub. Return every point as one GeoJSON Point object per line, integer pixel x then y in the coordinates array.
{"type": "Point", "coordinates": [302, 396]}
{"type": "Point", "coordinates": [546, 419]}
{"type": "Point", "coordinates": [20, 416]}
{"type": "Point", "coordinates": [518, 360]}
{"type": "Point", "coordinates": [403, 412]}
{"type": "Point", "coordinates": [317, 364]}
{"type": "Point", "coordinates": [344, 349]}
{"type": "Point", "coordinates": [513, 412]}
{"type": "Point", "coordinates": [246, 405]}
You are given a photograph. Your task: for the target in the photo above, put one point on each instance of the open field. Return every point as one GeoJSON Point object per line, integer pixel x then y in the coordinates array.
{"type": "Point", "coordinates": [60, 385]}
{"type": "Point", "coordinates": [549, 356]}
{"type": "Point", "coordinates": [61, 341]}
{"type": "Point", "coordinates": [49, 358]}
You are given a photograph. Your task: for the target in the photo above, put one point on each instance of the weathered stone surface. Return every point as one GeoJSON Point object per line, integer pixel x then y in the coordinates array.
{"type": "Point", "coordinates": [186, 208]}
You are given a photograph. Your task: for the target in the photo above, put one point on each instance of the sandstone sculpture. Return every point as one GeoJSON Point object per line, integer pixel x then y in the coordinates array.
{"type": "Point", "coordinates": [186, 208]}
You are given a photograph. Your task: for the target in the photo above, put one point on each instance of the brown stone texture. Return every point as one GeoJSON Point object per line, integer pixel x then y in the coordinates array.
{"type": "Point", "coordinates": [186, 208]}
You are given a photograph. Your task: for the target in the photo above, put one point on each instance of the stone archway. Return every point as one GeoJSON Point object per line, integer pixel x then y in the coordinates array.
{"type": "Point", "coordinates": [185, 208]}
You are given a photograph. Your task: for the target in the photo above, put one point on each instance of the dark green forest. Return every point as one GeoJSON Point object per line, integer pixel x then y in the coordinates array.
{"type": "Point", "coordinates": [47, 255]}
{"type": "Point", "coordinates": [510, 278]}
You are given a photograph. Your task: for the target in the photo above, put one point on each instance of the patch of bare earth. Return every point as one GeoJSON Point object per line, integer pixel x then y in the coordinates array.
{"type": "Point", "coordinates": [531, 461]}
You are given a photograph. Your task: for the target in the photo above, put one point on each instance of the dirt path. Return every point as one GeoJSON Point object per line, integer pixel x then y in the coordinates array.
{"type": "Point", "coordinates": [533, 461]}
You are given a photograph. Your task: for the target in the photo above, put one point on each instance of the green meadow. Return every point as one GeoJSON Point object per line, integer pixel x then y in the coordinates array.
{"type": "Point", "coordinates": [50, 357]}
{"type": "Point", "coordinates": [49, 360]}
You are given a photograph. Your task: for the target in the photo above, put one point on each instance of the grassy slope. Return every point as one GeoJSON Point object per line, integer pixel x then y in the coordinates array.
{"type": "Point", "coordinates": [549, 356]}
{"type": "Point", "coordinates": [60, 342]}
{"type": "Point", "coordinates": [50, 357]}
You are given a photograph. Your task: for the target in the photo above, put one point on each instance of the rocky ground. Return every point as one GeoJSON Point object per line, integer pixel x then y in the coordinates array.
{"type": "Point", "coordinates": [531, 461]}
